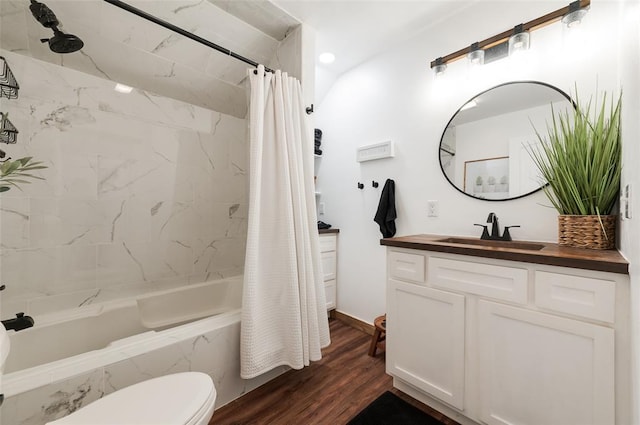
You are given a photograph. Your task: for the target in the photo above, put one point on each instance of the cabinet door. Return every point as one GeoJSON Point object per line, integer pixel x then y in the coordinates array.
{"type": "Point", "coordinates": [539, 369]}
{"type": "Point", "coordinates": [425, 340]}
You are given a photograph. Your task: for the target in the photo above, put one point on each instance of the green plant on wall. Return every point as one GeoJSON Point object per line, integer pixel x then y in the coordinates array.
{"type": "Point", "coordinates": [580, 158]}
{"type": "Point", "coordinates": [14, 173]}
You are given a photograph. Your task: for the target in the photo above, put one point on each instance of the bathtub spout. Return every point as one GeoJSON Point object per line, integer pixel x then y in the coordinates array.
{"type": "Point", "coordinates": [19, 323]}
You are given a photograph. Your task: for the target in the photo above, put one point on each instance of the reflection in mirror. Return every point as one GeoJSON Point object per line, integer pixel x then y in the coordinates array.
{"type": "Point", "coordinates": [483, 148]}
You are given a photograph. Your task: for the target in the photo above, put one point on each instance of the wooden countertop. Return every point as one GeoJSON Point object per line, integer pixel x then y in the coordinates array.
{"type": "Point", "coordinates": [549, 253]}
{"type": "Point", "coordinates": [323, 231]}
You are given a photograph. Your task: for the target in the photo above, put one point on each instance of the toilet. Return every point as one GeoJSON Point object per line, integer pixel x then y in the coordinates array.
{"type": "Point", "coordinates": [186, 398]}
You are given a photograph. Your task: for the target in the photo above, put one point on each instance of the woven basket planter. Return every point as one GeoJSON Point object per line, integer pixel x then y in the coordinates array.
{"type": "Point", "coordinates": [586, 231]}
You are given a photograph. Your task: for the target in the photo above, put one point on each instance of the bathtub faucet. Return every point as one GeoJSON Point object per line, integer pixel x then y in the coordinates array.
{"type": "Point", "coordinates": [19, 323]}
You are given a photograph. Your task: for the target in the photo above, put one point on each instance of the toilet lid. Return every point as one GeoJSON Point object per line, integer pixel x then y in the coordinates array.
{"type": "Point", "coordinates": [171, 399]}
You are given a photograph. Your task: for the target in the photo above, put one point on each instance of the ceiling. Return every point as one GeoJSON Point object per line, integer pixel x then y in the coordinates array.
{"type": "Point", "coordinates": [124, 48]}
{"type": "Point", "coordinates": [356, 30]}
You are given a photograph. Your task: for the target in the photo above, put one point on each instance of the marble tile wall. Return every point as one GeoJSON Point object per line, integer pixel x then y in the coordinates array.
{"type": "Point", "coordinates": [141, 191]}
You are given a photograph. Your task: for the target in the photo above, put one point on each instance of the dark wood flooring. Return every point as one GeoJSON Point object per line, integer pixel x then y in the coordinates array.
{"type": "Point", "coordinates": [330, 391]}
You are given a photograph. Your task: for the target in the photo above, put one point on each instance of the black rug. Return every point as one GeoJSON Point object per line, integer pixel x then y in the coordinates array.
{"type": "Point", "coordinates": [389, 409]}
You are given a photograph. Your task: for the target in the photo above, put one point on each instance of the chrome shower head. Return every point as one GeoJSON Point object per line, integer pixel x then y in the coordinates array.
{"type": "Point", "coordinates": [60, 42]}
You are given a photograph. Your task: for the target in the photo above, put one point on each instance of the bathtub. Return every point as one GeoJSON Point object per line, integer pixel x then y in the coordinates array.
{"type": "Point", "coordinates": [71, 358]}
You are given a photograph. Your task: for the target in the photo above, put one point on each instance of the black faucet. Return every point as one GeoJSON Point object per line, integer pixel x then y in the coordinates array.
{"type": "Point", "coordinates": [19, 323]}
{"type": "Point", "coordinates": [495, 227]}
{"type": "Point", "coordinates": [492, 219]}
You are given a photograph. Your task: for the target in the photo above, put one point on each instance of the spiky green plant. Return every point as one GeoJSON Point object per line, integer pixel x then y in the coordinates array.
{"type": "Point", "coordinates": [580, 158]}
{"type": "Point", "coordinates": [14, 173]}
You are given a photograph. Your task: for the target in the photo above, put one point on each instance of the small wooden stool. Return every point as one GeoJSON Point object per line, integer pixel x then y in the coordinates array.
{"type": "Point", "coordinates": [379, 334]}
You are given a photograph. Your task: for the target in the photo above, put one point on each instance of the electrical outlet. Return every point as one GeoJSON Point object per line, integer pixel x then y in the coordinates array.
{"type": "Point", "coordinates": [432, 208]}
{"type": "Point", "coordinates": [321, 208]}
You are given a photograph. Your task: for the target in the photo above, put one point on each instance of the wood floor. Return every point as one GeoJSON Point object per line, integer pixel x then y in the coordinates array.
{"type": "Point", "coordinates": [329, 392]}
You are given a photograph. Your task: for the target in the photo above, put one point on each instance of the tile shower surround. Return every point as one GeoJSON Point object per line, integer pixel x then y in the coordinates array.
{"type": "Point", "coordinates": [141, 192]}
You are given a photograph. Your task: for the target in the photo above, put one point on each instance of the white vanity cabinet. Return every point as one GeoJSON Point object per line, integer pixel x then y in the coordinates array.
{"type": "Point", "coordinates": [508, 342]}
{"type": "Point", "coordinates": [328, 256]}
{"type": "Point", "coordinates": [431, 322]}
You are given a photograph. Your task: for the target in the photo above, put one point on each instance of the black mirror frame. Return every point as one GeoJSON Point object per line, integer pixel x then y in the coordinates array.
{"type": "Point", "coordinates": [459, 109]}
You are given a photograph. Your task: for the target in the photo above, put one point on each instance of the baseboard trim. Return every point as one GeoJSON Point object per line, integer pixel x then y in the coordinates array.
{"type": "Point", "coordinates": [352, 321]}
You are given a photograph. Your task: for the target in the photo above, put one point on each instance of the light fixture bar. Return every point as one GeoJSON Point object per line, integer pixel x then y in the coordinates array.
{"type": "Point", "coordinates": [540, 22]}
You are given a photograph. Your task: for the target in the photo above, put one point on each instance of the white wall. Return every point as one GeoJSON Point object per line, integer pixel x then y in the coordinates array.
{"type": "Point", "coordinates": [394, 96]}
{"type": "Point", "coordinates": [629, 59]}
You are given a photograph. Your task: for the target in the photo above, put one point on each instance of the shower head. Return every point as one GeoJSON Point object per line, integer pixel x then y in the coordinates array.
{"type": "Point", "coordinates": [60, 42]}
{"type": "Point", "coordinates": [63, 43]}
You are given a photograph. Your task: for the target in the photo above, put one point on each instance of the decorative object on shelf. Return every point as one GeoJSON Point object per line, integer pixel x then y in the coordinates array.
{"type": "Point", "coordinates": [580, 158]}
{"type": "Point", "coordinates": [512, 40]}
{"type": "Point", "coordinates": [8, 85]}
{"type": "Point", "coordinates": [317, 141]}
{"type": "Point", "coordinates": [8, 132]}
{"type": "Point", "coordinates": [322, 225]}
{"type": "Point", "coordinates": [14, 173]}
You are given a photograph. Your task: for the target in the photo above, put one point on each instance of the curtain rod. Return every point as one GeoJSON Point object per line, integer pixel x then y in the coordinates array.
{"type": "Point", "coordinates": [148, 17]}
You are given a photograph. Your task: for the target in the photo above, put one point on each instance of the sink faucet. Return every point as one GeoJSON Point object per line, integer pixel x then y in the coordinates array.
{"type": "Point", "coordinates": [19, 323]}
{"type": "Point", "coordinates": [492, 219]}
{"type": "Point", "coordinates": [495, 227]}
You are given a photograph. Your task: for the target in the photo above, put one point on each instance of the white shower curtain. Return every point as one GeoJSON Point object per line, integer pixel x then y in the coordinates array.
{"type": "Point", "coordinates": [284, 317]}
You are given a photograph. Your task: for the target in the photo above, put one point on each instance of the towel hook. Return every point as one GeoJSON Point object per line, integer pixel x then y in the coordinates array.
{"type": "Point", "coordinates": [374, 183]}
{"type": "Point", "coordinates": [360, 186]}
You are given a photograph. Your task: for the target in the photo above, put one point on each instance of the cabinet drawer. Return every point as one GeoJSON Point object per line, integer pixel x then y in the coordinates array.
{"type": "Point", "coordinates": [499, 282]}
{"type": "Point", "coordinates": [327, 243]}
{"type": "Point", "coordinates": [403, 265]}
{"type": "Point", "coordinates": [330, 294]}
{"type": "Point", "coordinates": [328, 265]}
{"type": "Point", "coordinates": [577, 295]}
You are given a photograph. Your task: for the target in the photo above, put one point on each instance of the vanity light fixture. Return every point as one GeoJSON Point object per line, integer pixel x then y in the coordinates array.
{"type": "Point", "coordinates": [519, 41]}
{"type": "Point", "coordinates": [570, 15]}
{"type": "Point", "coordinates": [475, 55]}
{"type": "Point", "coordinates": [575, 15]}
{"type": "Point", "coordinates": [439, 67]}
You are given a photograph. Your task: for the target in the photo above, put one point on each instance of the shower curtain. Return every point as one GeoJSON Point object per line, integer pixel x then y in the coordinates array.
{"type": "Point", "coordinates": [284, 317]}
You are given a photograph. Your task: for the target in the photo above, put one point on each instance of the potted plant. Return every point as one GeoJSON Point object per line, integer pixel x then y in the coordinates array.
{"type": "Point", "coordinates": [13, 173]}
{"type": "Point", "coordinates": [580, 159]}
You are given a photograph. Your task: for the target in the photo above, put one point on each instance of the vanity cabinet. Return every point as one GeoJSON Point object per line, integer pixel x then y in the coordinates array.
{"type": "Point", "coordinates": [328, 256]}
{"type": "Point", "coordinates": [508, 342]}
{"type": "Point", "coordinates": [431, 322]}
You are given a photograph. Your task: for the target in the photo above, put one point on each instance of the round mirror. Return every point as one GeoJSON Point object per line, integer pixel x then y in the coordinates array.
{"type": "Point", "coordinates": [483, 149]}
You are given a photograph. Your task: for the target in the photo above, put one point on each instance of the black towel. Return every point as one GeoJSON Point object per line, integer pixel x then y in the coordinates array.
{"type": "Point", "coordinates": [386, 213]}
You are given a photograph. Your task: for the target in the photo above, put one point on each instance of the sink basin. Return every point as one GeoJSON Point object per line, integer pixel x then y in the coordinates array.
{"type": "Point", "coordinates": [494, 244]}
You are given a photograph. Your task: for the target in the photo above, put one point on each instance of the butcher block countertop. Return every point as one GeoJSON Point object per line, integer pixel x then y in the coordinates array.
{"type": "Point", "coordinates": [531, 252]}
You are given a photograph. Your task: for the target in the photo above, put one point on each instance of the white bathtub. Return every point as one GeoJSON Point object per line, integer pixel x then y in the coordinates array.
{"type": "Point", "coordinates": [71, 358]}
